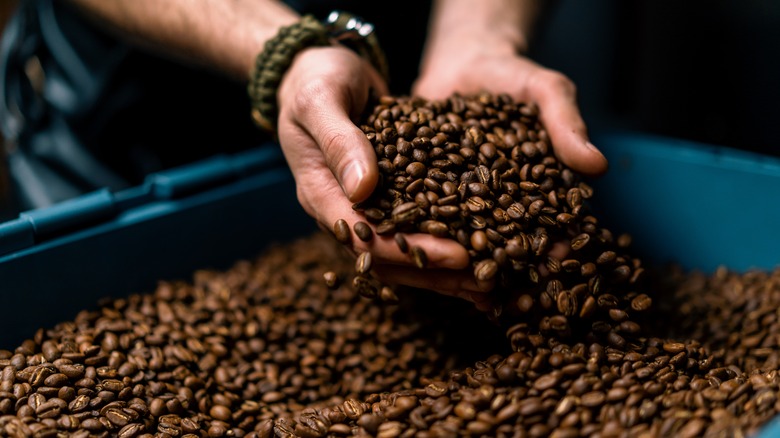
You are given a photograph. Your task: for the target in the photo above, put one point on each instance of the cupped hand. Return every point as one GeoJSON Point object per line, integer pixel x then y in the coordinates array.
{"type": "Point", "coordinates": [470, 69]}
{"type": "Point", "coordinates": [334, 165]}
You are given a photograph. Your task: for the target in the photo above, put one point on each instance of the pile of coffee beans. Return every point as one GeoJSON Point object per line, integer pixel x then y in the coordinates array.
{"type": "Point", "coordinates": [267, 349]}
{"type": "Point", "coordinates": [227, 354]}
{"type": "Point", "coordinates": [283, 346]}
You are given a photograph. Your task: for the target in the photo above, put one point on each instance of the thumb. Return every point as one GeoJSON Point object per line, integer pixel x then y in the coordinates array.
{"type": "Point", "coordinates": [345, 148]}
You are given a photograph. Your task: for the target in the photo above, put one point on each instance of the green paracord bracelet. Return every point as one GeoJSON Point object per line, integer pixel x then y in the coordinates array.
{"type": "Point", "coordinates": [278, 54]}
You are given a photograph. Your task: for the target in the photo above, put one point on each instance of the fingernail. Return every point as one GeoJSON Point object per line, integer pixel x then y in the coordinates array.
{"type": "Point", "coordinates": [350, 178]}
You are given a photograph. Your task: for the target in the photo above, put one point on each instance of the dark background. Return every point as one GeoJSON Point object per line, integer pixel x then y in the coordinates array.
{"type": "Point", "coordinates": [700, 70]}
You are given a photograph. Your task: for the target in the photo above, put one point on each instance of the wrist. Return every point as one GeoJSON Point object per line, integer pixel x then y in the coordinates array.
{"type": "Point", "coordinates": [278, 53]}
{"type": "Point", "coordinates": [463, 30]}
{"type": "Point", "coordinates": [464, 51]}
{"type": "Point", "coordinates": [500, 23]}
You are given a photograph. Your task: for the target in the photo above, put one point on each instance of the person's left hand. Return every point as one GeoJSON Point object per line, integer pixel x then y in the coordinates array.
{"type": "Point", "coordinates": [334, 165]}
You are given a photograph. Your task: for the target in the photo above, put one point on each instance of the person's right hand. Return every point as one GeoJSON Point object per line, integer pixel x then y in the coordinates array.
{"type": "Point", "coordinates": [334, 165]}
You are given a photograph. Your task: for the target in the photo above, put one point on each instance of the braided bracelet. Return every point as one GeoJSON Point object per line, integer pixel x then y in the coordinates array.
{"type": "Point", "coordinates": [279, 51]}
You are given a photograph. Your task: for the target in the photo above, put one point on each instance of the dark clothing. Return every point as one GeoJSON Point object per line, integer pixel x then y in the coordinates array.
{"type": "Point", "coordinates": [83, 110]}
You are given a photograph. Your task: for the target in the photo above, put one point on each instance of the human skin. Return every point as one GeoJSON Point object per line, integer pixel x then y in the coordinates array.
{"type": "Point", "coordinates": [473, 45]}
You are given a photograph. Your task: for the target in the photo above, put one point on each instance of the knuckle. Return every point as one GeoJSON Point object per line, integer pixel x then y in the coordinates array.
{"type": "Point", "coordinates": [557, 80]}
{"type": "Point", "coordinates": [332, 143]}
{"type": "Point", "coordinates": [309, 97]}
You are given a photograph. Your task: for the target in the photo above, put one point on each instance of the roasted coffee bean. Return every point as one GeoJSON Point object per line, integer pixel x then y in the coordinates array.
{"type": "Point", "coordinates": [387, 295]}
{"type": "Point", "coordinates": [479, 240]}
{"type": "Point", "coordinates": [419, 257]}
{"type": "Point", "coordinates": [363, 231]}
{"type": "Point", "coordinates": [363, 263]}
{"type": "Point", "coordinates": [580, 241]}
{"type": "Point", "coordinates": [386, 227]}
{"type": "Point", "coordinates": [375, 215]}
{"type": "Point", "coordinates": [486, 270]}
{"type": "Point", "coordinates": [567, 303]}
{"type": "Point", "coordinates": [400, 240]}
{"type": "Point", "coordinates": [364, 286]}
{"type": "Point", "coordinates": [438, 229]}
{"type": "Point", "coordinates": [641, 303]}
{"type": "Point", "coordinates": [331, 279]}
{"type": "Point", "coordinates": [342, 232]}
{"type": "Point", "coordinates": [117, 417]}
{"type": "Point", "coordinates": [406, 212]}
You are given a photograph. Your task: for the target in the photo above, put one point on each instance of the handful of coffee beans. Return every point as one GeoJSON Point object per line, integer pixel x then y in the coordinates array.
{"type": "Point", "coordinates": [481, 170]}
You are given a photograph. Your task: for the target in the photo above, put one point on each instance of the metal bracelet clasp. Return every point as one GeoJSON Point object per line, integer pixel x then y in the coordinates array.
{"type": "Point", "coordinates": [345, 26]}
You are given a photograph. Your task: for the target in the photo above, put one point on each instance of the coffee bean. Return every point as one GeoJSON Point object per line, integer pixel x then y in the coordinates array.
{"type": "Point", "coordinates": [363, 263]}
{"type": "Point", "coordinates": [130, 430]}
{"type": "Point", "coordinates": [486, 270]}
{"type": "Point", "coordinates": [641, 303]}
{"type": "Point", "coordinates": [364, 286]}
{"type": "Point", "coordinates": [579, 242]}
{"type": "Point", "coordinates": [374, 215]}
{"type": "Point", "coordinates": [221, 413]}
{"type": "Point", "coordinates": [419, 257]}
{"type": "Point", "coordinates": [400, 240]}
{"type": "Point", "coordinates": [387, 295]}
{"type": "Point", "coordinates": [386, 227]}
{"type": "Point", "coordinates": [363, 231]}
{"type": "Point", "coordinates": [674, 347]}
{"type": "Point", "coordinates": [118, 417]}
{"type": "Point", "coordinates": [479, 240]}
{"type": "Point", "coordinates": [342, 232]}
{"type": "Point", "coordinates": [406, 212]}
{"type": "Point", "coordinates": [567, 303]}
{"type": "Point", "coordinates": [331, 279]}
{"type": "Point", "coordinates": [437, 229]}
{"type": "Point", "coordinates": [593, 399]}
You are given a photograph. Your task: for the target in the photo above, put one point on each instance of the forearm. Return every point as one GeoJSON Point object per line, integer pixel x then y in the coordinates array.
{"type": "Point", "coordinates": [496, 26]}
{"type": "Point", "coordinates": [218, 34]}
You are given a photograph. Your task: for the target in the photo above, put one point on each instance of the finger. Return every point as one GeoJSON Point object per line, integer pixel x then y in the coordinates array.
{"type": "Point", "coordinates": [459, 284]}
{"type": "Point", "coordinates": [346, 150]}
{"type": "Point", "coordinates": [439, 252]}
{"type": "Point", "coordinates": [555, 95]}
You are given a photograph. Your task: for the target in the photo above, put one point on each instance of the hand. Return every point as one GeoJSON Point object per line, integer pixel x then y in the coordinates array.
{"type": "Point", "coordinates": [470, 68]}
{"type": "Point", "coordinates": [334, 165]}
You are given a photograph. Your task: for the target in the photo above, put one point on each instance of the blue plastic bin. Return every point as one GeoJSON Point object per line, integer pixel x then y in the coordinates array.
{"type": "Point", "coordinates": [696, 205]}
{"type": "Point", "coordinates": [59, 260]}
